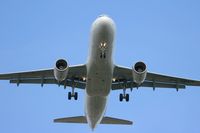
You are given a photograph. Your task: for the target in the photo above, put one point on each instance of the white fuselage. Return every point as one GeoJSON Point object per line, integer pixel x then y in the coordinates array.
{"type": "Point", "coordinates": [99, 69]}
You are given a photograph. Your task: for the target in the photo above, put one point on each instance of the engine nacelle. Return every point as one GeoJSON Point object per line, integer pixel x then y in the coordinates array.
{"type": "Point", "coordinates": [139, 72]}
{"type": "Point", "coordinates": [61, 70]}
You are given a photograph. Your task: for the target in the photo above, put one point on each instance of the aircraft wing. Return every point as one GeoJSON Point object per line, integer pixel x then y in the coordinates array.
{"type": "Point", "coordinates": [124, 79]}
{"type": "Point", "coordinates": [46, 76]}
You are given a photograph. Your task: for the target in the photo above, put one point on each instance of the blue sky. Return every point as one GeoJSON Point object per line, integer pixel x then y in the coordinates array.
{"type": "Point", "coordinates": [165, 34]}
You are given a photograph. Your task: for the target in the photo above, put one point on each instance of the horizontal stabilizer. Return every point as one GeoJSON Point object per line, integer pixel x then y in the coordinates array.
{"type": "Point", "coordinates": [110, 120]}
{"type": "Point", "coordinates": [76, 119]}
{"type": "Point", "coordinates": [82, 119]}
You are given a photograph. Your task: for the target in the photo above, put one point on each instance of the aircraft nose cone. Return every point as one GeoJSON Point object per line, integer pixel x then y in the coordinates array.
{"type": "Point", "coordinates": [104, 26]}
{"type": "Point", "coordinates": [105, 21]}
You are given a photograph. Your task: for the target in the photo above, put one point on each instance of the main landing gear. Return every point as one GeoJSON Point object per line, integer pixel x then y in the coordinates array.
{"type": "Point", "coordinates": [124, 96]}
{"type": "Point", "coordinates": [72, 94]}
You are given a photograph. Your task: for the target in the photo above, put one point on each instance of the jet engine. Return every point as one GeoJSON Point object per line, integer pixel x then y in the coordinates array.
{"type": "Point", "coordinates": [139, 72]}
{"type": "Point", "coordinates": [61, 70]}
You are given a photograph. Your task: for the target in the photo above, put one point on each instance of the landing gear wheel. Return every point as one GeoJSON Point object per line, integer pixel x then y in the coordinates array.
{"type": "Point", "coordinates": [120, 97]}
{"type": "Point", "coordinates": [75, 95]}
{"type": "Point", "coordinates": [127, 97]}
{"type": "Point", "coordinates": [69, 95]}
{"type": "Point", "coordinates": [101, 56]}
{"type": "Point", "coordinates": [104, 55]}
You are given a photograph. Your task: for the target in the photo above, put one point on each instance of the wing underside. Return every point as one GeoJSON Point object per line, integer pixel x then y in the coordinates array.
{"type": "Point", "coordinates": [124, 79]}
{"type": "Point", "coordinates": [46, 76]}
{"type": "Point", "coordinates": [122, 75]}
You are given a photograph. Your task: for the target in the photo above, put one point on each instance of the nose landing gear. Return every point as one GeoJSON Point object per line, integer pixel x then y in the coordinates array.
{"type": "Point", "coordinates": [102, 47]}
{"type": "Point", "coordinates": [102, 55]}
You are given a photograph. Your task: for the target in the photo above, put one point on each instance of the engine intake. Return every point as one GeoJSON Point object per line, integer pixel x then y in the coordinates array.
{"type": "Point", "coordinates": [139, 72]}
{"type": "Point", "coordinates": [61, 70]}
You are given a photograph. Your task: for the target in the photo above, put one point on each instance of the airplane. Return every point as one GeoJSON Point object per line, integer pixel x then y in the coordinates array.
{"type": "Point", "coordinates": [98, 77]}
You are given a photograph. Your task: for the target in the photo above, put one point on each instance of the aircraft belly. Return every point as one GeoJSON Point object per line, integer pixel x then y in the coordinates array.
{"type": "Point", "coordinates": [99, 81]}
{"type": "Point", "coordinates": [95, 109]}
{"type": "Point", "coordinates": [99, 70]}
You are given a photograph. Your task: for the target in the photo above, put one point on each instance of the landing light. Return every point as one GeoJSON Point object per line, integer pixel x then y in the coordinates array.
{"type": "Point", "coordinates": [84, 78]}
{"type": "Point", "coordinates": [103, 44]}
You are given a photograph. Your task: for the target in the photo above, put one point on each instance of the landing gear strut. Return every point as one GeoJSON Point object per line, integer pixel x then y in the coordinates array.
{"type": "Point", "coordinates": [72, 94]}
{"type": "Point", "coordinates": [124, 96]}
